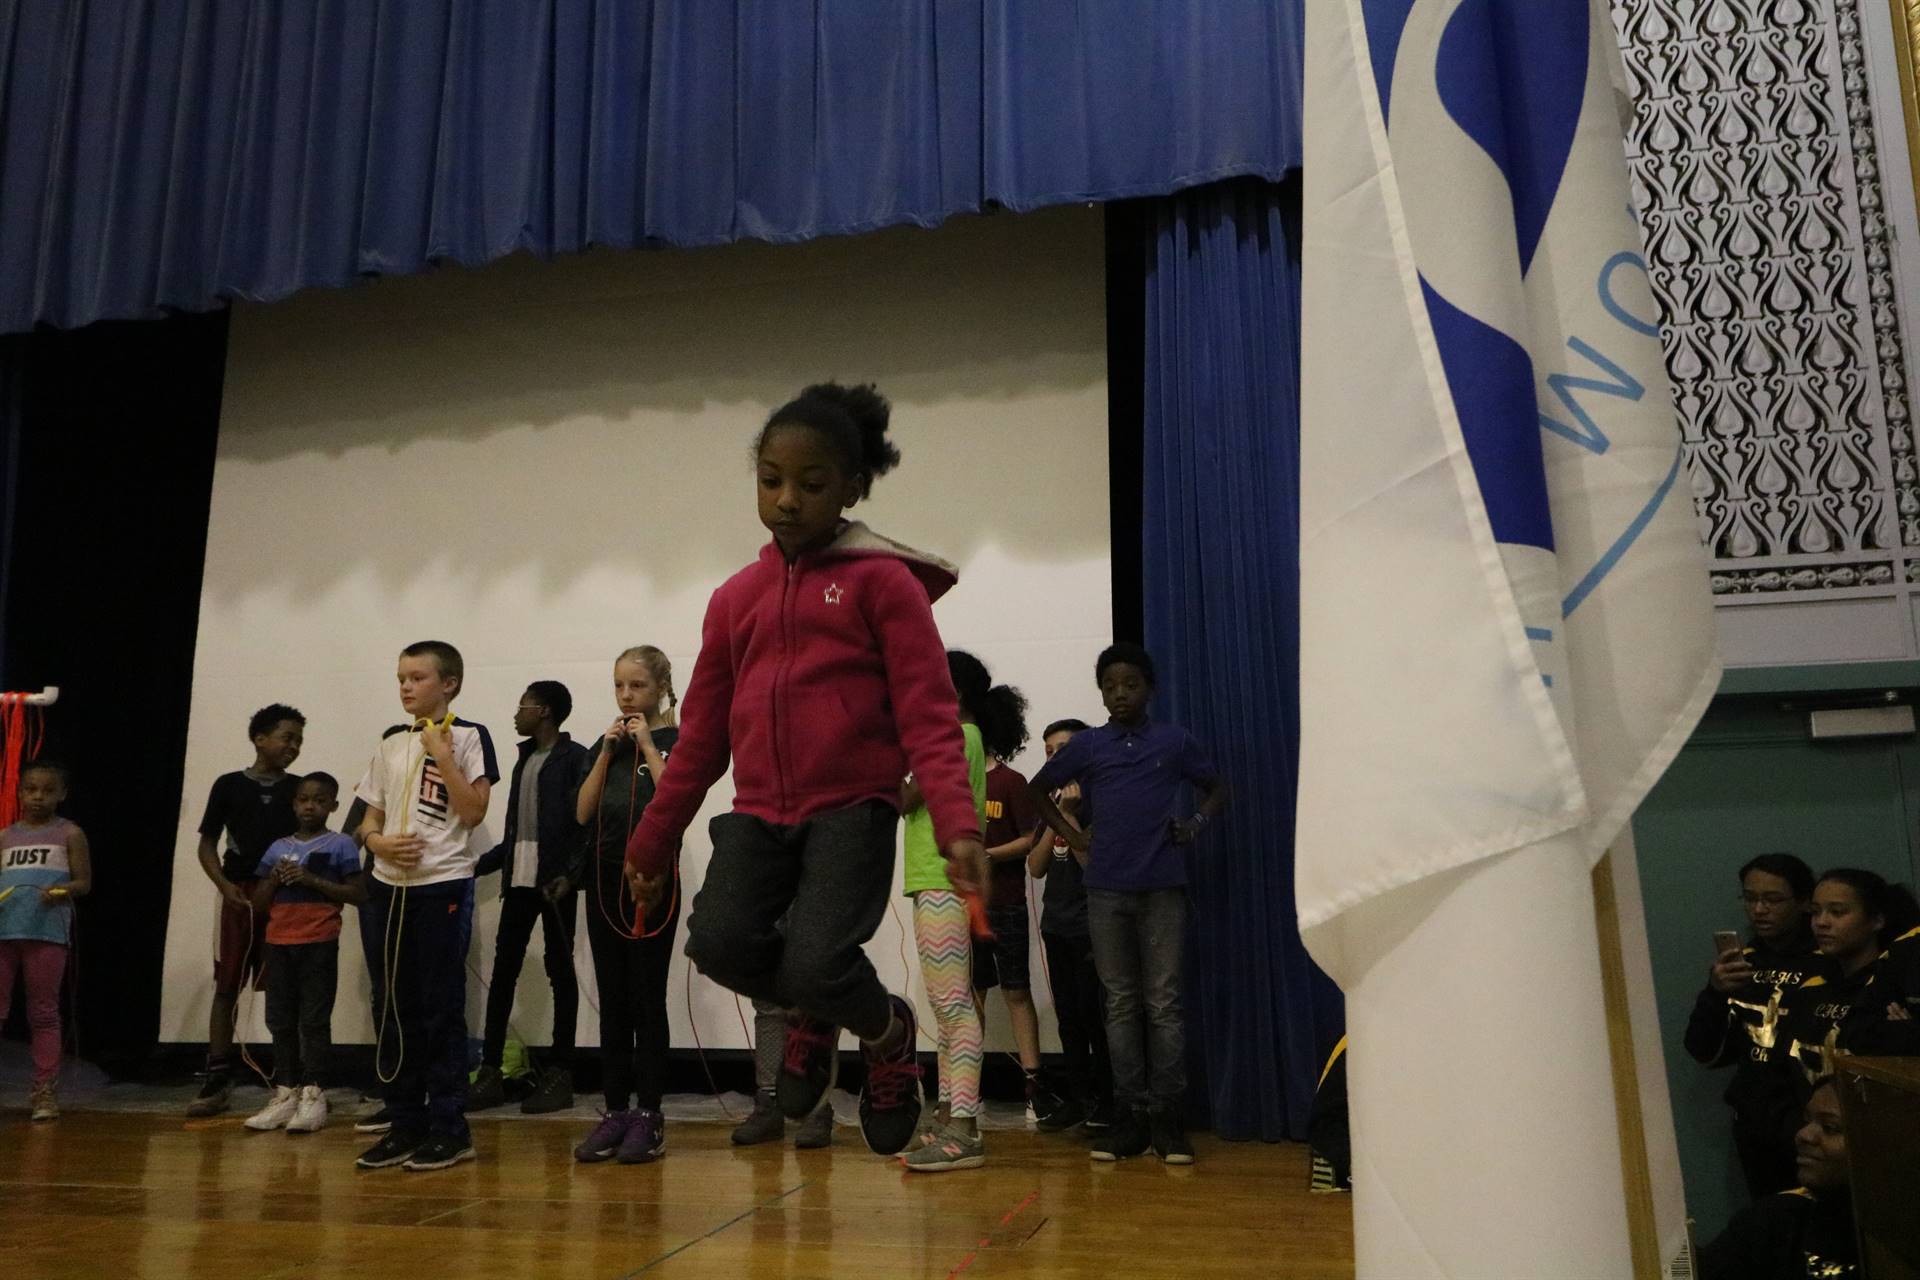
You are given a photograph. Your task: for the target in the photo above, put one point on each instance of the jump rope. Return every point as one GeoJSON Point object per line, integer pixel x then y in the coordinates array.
{"type": "Point", "coordinates": [395, 923]}
{"type": "Point", "coordinates": [622, 901]}
{"type": "Point", "coordinates": [26, 731]}
{"type": "Point", "coordinates": [640, 932]}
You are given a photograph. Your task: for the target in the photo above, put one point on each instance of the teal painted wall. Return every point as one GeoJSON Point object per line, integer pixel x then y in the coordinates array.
{"type": "Point", "coordinates": [1752, 781]}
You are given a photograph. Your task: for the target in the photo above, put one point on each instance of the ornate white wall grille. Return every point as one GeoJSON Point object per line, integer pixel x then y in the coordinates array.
{"type": "Point", "coordinates": [1756, 175]}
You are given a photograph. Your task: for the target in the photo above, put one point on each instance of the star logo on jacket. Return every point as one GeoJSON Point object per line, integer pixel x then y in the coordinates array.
{"type": "Point", "coordinates": [833, 594]}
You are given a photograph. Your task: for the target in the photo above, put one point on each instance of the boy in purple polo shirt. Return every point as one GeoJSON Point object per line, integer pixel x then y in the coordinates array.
{"type": "Point", "coordinates": [1130, 770]}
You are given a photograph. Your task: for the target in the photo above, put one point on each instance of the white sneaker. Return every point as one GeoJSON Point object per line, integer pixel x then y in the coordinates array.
{"type": "Point", "coordinates": [311, 1115]}
{"type": "Point", "coordinates": [277, 1112]}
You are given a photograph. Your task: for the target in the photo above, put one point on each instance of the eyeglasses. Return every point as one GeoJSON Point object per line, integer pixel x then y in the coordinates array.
{"type": "Point", "coordinates": [531, 706]}
{"type": "Point", "coordinates": [1764, 899]}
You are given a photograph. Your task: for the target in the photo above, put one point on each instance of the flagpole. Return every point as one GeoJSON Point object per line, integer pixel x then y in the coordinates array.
{"type": "Point", "coordinates": [1636, 1176]}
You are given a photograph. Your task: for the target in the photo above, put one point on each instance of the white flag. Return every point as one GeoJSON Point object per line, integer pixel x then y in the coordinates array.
{"type": "Point", "coordinates": [1506, 628]}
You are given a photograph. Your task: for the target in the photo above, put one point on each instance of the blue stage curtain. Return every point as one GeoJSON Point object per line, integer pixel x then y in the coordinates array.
{"type": "Point", "coordinates": [171, 153]}
{"type": "Point", "coordinates": [1221, 584]}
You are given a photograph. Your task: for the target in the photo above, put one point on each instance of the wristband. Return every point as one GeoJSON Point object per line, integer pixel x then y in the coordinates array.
{"type": "Point", "coordinates": [1199, 819]}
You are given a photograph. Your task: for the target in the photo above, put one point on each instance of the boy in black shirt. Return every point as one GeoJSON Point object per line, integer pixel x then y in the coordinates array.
{"type": "Point", "coordinates": [1078, 998]}
{"type": "Point", "coordinates": [254, 807]}
{"type": "Point", "coordinates": [540, 839]}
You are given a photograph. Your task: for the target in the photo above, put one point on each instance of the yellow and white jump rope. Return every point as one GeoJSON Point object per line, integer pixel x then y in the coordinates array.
{"type": "Point", "coordinates": [58, 891]}
{"type": "Point", "coordinates": [396, 923]}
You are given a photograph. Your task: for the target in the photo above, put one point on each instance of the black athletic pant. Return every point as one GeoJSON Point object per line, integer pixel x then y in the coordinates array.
{"type": "Point", "coordinates": [632, 974]}
{"type": "Point", "coordinates": [1079, 1004]}
{"type": "Point", "coordinates": [519, 909]}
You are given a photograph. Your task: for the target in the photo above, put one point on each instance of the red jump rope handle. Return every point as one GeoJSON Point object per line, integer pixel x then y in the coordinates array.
{"type": "Point", "coordinates": [977, 917]}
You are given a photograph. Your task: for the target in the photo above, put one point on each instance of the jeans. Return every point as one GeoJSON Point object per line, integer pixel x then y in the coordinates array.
{"type": "Point", "coordinates": [1079, 1004]}
{"type": "Point", "coordinates": [430, 926]}
{"type": "Point", "coordinates": [834, 873]}
{"type": "Point", "coordinates": [1139, 941]}
{"type": "Point", "coordinates": [519, 909]}
{"type": "Point", "coordinates": [300, 984]}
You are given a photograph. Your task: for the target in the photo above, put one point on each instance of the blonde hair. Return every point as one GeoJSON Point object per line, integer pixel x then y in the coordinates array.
{"type": "Point", "coordinates": [658, 666]}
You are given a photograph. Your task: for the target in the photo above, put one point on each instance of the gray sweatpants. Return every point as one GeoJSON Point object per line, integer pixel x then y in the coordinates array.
{"type": "Point", "coordinates": [830, 877]}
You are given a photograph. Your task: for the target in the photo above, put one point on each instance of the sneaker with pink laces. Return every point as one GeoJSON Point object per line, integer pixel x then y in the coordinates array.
{"type": "Point", "coordinates": [890, 1104]}
{"type": "Point", "coordinates": [810, 1068]}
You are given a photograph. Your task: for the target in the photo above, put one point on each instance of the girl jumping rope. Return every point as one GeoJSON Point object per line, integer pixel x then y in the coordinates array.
{"type": "Point", "coordinates": [822, 676]}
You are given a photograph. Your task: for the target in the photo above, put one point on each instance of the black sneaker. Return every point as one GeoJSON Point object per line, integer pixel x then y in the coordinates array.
{"type": "Point", "coordinates": [554, 1092]}
{"type": "Point", "coordinates": [890, 1104]}
{"type": "Point", "coordinates": [439, 1152]}
{"type": "Point", "coordinates": [810, 1069]}
{"type": "Point", "coordinates": [213, 1096]}
{"type": "Point", "coordinates": [1099, 1117]}
{"type": "Point", "coordinates": [380, 1121]}
{"type": "Point", "coordinates": [1124, 1140]}
{"type": "Point", "coordinates": [1061, 1117]}
{"type": "Point", "coordinates": [766, 1124]}
{"type": "Point", "coordinates": [487, 1090]}
{"type": "Point", "coordinates": [395, 1148]}
{"type": "Point", "coordinates": [1169, 1134]}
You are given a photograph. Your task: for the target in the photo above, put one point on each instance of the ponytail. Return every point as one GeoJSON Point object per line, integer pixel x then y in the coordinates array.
{"type": "Point", "coordinates": [999, 710]}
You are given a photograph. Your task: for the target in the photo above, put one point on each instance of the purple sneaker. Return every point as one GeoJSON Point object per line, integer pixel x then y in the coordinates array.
{"type": "Point", "coordinates": [646, 1139]}
{"type": "Point", "coordinates": [606, 1137]}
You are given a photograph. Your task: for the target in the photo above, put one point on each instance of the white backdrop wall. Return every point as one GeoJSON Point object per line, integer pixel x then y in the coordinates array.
{"type": "Point", "coordinates": [546, 463]}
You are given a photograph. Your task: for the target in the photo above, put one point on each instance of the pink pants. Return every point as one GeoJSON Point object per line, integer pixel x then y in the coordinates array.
{"type": "Point", "coordinates": [44, 964]}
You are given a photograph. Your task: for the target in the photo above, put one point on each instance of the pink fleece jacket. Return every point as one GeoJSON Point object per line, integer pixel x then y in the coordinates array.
{"type": "Point", "coordinates": [825, 681]}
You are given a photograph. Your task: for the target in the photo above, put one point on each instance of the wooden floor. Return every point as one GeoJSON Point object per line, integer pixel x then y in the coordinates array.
{"type": "Point", "coordinates": [129, 1195]}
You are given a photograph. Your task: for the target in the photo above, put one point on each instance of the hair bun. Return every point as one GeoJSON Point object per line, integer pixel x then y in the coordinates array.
{"type": "Point", "coordinates": [870, 413]}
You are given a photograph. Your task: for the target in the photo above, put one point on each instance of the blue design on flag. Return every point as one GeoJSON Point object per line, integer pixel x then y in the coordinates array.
{"type": "Point", "coordinates": [1386, 21]}
{"type": "Point", "coordinates": [1511, 75]}
{"type": "Point", "coordinates": [1622, 544]}
{"type": "Point", "coordinates": [1490, 377]}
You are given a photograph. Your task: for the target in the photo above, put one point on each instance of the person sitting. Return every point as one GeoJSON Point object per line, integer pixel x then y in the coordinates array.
{"type": "Point", "coordinates": [1801, 1233]}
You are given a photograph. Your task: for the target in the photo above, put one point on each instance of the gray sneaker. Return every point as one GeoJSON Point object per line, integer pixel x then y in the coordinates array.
{"type": "Point", "coordinates": [213, 1096]}
{"type": "Point", "coordinates": [816, 1131]}
{"type": "Point", "coordinates": [766, 1124]}
{"type": "Point", "coordinates": [950, 1149]}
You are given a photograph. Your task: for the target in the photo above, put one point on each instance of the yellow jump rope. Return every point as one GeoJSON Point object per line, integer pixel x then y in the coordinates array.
{"type": "Point", "coordinates": [396, 920]}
